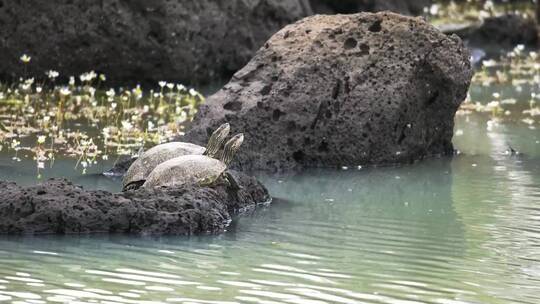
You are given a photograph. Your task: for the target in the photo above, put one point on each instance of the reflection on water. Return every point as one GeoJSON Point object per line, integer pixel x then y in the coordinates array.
{"type": "Point", "coordinates": [25, 172]}
{"type": "Point", "coordinates": [465, 230]}
{"type": "Point", "coordinates": [447, 231]}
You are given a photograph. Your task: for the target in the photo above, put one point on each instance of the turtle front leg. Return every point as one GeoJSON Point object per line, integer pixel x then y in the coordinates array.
{"type": "Point", "coordinates": [233, 183]}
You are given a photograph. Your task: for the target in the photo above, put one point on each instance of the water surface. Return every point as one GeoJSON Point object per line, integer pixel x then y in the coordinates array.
{"type": "Point", "coordinates": [451, 230]}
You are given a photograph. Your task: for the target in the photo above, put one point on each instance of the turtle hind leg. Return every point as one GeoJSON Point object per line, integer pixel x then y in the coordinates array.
{"type": "Point", "coordinates": [133, 185]}
{"type": "Point", "coordinates": [233, 183]}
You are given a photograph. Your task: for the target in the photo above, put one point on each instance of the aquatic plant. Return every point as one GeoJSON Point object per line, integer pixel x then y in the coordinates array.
{"type": "Point", "coordinates": [516, 74]}
{"type": "Point", "coordinates": [471, 11]}
{"type": "Point", "coordinates": [40, 118]}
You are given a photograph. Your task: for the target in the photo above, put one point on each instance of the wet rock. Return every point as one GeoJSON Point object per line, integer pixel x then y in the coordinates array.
{"type": "Point", "coordinates": [506, 30]}
{"type": "Point", "coordinates": [405, 7]}
{"type": "Point", "coordinates": [58, 206]}
{"type": "Point", "coordinates": [343, 90]}
{"type": "Point", "coordinates": [138, 40]}
{"type": "Point", "coordinates": [120, 167]}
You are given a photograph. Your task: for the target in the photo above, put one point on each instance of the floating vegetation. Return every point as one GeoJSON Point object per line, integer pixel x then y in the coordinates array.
{"type": "Point", "coordinates": [40, 118]}
{"type": "Point", "coordinates": [515, 75]}
{"type": "Point", "coordinates": [471, 11]}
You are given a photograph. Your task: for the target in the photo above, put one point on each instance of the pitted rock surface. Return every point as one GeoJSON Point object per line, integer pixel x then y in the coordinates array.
{"type": "Point", "coordinates": [60, 207]}
{"type": "Point", "coordinates": [343, 90]}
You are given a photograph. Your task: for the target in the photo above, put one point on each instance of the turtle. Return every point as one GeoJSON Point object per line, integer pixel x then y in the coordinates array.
{"type": "Point", "coordinates": [141, 168]}
{"type": "Point", "coordinates": [201, 170]}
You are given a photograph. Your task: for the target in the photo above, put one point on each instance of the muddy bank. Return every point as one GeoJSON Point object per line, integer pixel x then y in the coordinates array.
{"type": "Point", "coordinates": [59, 207]}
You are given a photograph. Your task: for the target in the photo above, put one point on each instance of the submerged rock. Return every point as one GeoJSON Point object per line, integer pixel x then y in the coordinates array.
{"type": "Point", "coordinates": [58, 206]}
{"type": "Point", "coordinates": [343, 90]}
{"type": "Point", "coordinates": [120, 167]}
{"type": "Point", "coordinates": [137, 40]}
{"type": "Point", "coordinates": [506, 30]}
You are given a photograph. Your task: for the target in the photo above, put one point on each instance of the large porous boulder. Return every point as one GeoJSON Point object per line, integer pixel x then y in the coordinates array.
{"type": "Point", "coordinates": [406, 7]}
{"type": "Point", "coordinates": [343, 90]}
{"type": "Point", "coordinates": [139, 40]}
{"type": "Point", "coordinates": [60, 207]}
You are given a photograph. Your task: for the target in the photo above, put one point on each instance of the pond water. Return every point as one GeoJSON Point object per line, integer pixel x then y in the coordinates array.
{"type": "Point", "coordinates": [451, 230]}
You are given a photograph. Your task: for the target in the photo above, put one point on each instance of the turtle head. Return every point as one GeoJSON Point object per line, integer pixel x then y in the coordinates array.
{"type": "Point", "coordinates": [216, 140]}
{"type": "Point", "coordinates": [231, 147]}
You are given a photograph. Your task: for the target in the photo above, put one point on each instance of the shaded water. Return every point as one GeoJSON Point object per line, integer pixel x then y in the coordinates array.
{"type": "Point", "coordinates": [461, 230]}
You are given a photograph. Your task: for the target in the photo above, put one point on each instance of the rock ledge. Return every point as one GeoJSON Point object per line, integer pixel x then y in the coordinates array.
{"type": "Point", "coordinates": [59, 207]}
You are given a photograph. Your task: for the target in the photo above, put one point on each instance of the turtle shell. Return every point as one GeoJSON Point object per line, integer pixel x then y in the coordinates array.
{"type": "Point", "coordinates": [185, 170]}
{"type": "Point", "coordinates": [141, 168]}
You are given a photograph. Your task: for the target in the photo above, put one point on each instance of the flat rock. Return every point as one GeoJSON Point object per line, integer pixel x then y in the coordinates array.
{"type": "Point", "coordinates": [59, 207]}
{"type": "Point", "coordinates": [343, 90]}
{"type": "Point", "coordinates": [139, 40]}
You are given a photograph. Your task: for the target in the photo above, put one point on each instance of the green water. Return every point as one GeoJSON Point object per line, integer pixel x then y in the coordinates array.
{"type": "Point", "coordinates": [447, 231]}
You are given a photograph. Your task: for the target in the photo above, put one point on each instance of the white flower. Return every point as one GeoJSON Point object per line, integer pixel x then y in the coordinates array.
{"type": "Point", "coordinates": [41, 139]}
{"type": "Point", "coordinates": [102, 77]}
{"type": "Point", "coordinates": [52, 74]}
{"type": "Point", "coordinates": [39, 89]}
{"type": "Point", "coordinates": [192, 92]}
{"type": "Point", "coordinates": [71, 81]}
{"type": "Point", "coordinates": [489, 63]}
{"type": "Point", "coordinates": [137, 92]}
{"type": "Point", "coordinates": [110, 93]}
{"type": "Point", "coordinates": [434, 9]}
{"type": "Point", "coordinates": [162, 83]}
{"type": "Point", "coordinates": [488, 5]}
{"type": "Point", "coordinates": [64, 91]}
{"type": "Point", "coordinates": [150, 126]}
{"type": "Point", "coordinates": [41, 165]}
{"type": "Point", "coordinates": [492, 105]}
{"type": "Point", "coordinates": [25, 58]}
{"type": "Point", "coordinates": [170, 86]}
{"type": "Point", "coordinates": [15, 143]}
{"type": "Point", "coordinates": [126, 125]}
{"type": "Point", "coordinates": [180, 87]}
{"type": "Point", "coordinates": [26, 86]}
{"type": "Point", "coordinates": [88, 76]}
